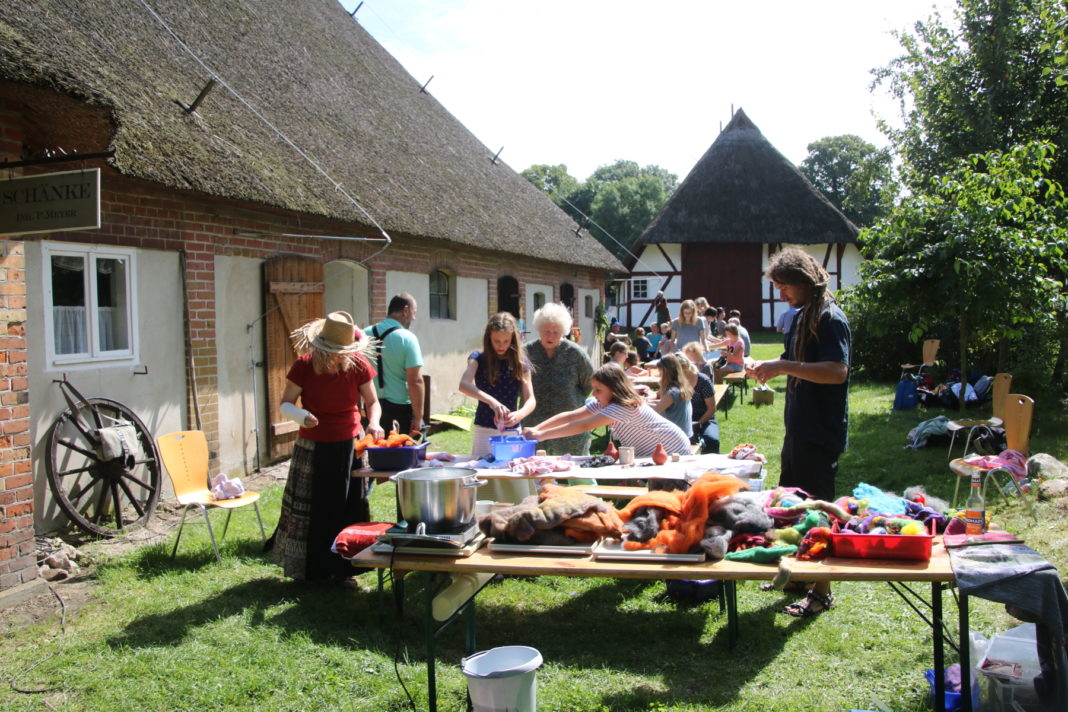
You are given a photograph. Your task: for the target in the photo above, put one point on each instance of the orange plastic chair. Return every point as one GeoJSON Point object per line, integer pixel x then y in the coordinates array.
{"type": "Point", "coordinates": [1017, 413]}
{"type": "Point", "coordinates": [930, 353]}
{"type": "Point", "coordinates": [1002, 384]}
{"type": "Point", "coordinates": [185, 456]}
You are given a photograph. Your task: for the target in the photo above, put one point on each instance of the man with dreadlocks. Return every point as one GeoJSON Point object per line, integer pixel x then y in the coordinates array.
{"type": "Point", "coordinates": [815, 361]}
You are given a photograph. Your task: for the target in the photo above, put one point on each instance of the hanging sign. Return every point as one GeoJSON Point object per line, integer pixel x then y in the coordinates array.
{"type": "Point", "coordinates": [50, 202]}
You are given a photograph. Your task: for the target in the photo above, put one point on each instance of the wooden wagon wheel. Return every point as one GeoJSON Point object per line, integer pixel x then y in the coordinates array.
{"type": "Point", "coordinates": [101, 495]}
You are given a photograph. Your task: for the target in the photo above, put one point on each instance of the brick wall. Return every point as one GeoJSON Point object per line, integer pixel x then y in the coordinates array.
{"type": "Point", "coordinates": [140, 214]}
{"type": "Point", "coordinates": [17, 560]}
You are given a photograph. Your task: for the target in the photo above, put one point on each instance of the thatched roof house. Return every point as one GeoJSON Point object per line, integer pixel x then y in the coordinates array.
{"type": "Point", "coordinates": [221, 229]}
{"type": "Point", "coordinates": [313, 73]}
{"type": "Point", "coordinates": [740, 202]}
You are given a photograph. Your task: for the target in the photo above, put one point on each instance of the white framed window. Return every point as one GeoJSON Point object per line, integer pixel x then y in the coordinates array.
{"type": "Point", "coordinates": [587, 306]}
{"type": "Point", "coordinates": [442, 295]}
{"type": "Point", "coordinates": [89, 309]}
{"type": "Point", "coordinates": [539, 300]}
{"type": "Point", "coordinates": [640, 289]}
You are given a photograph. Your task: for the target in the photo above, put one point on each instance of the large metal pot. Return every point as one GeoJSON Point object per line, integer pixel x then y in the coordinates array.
{"type": "Point", "coordinates": [440, 498]}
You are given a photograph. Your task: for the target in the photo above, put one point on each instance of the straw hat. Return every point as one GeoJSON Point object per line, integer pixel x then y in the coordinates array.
{"type": "Point", "coordinates": [337, 334]}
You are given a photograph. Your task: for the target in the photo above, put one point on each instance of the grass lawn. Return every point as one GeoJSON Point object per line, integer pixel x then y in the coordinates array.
{"type": "Point", "coordinates": [193, 634]}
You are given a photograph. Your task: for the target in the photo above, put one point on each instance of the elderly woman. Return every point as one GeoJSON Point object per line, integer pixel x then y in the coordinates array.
{"type": "Point", "coordinates": [330, 377]}
{"type": "Point", "coordinates": [562, 373]}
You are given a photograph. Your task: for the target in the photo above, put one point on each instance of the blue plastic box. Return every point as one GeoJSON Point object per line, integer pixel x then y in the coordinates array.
{"type": "Point", "coordinates": [396, 458]}
{"type": "Point", "coordinates": [509, 447]}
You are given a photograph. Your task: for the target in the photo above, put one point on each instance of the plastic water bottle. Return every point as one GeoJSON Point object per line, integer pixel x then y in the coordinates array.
{"type": "Point", "coordinates": [975, 509]}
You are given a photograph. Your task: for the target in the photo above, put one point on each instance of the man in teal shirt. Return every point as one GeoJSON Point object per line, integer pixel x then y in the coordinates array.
{"type": "Point", "coordinates": [400, 367]}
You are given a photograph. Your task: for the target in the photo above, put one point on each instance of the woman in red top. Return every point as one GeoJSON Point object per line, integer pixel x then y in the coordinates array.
{"type": "Point", "coordinates": [330, 377]}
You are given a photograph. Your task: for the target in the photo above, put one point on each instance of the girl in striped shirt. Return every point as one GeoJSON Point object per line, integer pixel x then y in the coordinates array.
{"type": "Point", "coordinates": [615, 403]}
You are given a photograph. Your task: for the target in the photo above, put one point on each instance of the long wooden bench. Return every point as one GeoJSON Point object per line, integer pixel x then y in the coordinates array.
{"type": "Point", "coordinates": [738, 381]}
{"type": "Point", "coordinates": [720, 390]}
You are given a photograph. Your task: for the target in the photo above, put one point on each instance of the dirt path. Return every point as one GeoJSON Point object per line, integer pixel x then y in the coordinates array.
{"type": "Point", "coordinates": [72, 594]}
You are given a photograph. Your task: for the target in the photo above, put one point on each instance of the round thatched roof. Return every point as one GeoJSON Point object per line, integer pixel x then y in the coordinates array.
{"type": "Point", "coordinates": [321, 79]}
{"type": "Point", "coordinates": [744, 190]}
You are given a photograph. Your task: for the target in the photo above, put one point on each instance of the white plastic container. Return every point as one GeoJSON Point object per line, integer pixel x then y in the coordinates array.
{"type": "Point", "coordinates": [1018, 649]}
{"type": "Point", "coordinates": [1001, 696]}
{"type": "Point", "coordinates": [503, 679]}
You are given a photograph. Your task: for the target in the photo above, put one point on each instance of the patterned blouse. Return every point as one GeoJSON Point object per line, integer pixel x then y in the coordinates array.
{"type": "Point", "coordinates": [506, 390]}
{"type": "Point", "coordinates": [561, 384]}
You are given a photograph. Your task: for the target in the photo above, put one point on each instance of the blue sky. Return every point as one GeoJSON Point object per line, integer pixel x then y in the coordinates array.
{"type": "Point", "coordinates": [587, 82]}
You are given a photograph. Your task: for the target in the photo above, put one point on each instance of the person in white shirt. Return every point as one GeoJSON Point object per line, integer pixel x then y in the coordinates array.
{"type": "Point", "coordinates": [615, 403]}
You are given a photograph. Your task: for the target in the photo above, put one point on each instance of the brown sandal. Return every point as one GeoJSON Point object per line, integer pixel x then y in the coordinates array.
{"type": "Point", "coordinates": [811, 605]}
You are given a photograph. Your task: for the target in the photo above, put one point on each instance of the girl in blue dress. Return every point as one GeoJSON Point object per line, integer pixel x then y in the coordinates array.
{"type": "Point", "coordinates": [498, 377]}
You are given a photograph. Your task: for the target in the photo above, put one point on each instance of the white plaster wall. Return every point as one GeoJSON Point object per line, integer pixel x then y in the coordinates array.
{"type": "Point", "coordinates": [347, 290]}
{"type": "Point", "coordinates": [653, 265]}
{"type": "Point", "coordinates": [445, 343]}
{"type": "Point", "coordinates": [652, 260]}
{"type": "Point", "coordinates": [851, 260]}
{"type": "Point", "coordinates": [530, 289]}
{"type": "Point", "coordinates": [157, 398]}
{"type": "Point", "coordinates": [242, 419]}
{"type": "Point", "coordinates": [586, 323]}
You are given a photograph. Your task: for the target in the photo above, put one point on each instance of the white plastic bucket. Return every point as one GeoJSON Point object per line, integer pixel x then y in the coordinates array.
{"type": "Point", "coordinates": [503, 679]}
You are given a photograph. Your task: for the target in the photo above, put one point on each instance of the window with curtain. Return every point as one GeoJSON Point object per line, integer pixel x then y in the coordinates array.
{"type": "Point", "coordinates": [442, 295]}
{"type": "Point", "coordinates": [88, 303]}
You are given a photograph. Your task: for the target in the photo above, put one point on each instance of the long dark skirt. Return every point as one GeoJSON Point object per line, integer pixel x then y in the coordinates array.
{"type": "Point", "coordinates": [315, 508]}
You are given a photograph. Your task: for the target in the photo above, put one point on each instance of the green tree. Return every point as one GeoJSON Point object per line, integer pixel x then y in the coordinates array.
{"type": "Point", "coordinates": [987, 82]}
{"type": "Point", "coordinates": [990, 79]}
{"type": "Point", "coordinates": [554, 181]}
{"type": "Point", "coordinates": [615, 203]}
{"type": "Point", "coordinates": [625, 207]}
{"type": "Point", "coordinates": [853, 174]}
{"type": "Point", "coordinates": [982, 247]}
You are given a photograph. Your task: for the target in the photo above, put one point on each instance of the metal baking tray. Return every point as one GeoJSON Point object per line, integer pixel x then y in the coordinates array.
{"type": "Point", "coordinates": [576, 550]}
{"type": "Point", "coordinates": [612, 550]}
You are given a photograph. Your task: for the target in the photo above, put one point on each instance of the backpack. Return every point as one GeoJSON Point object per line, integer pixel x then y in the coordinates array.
{"type": "Point", "coordinates": [691, 593]}
{"type": "Point", "coordinates": [378, 352]}
{"type": "Point", "coordinates": [989, 440]}
{"type": "Point", "coordinates": [907, 393]}
{"type": "Point", "coordinates": [982, 387]}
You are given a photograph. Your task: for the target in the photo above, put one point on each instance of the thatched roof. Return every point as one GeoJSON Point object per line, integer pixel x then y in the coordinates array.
{"type": "Point", "coordinates": [744, 190]}
{"type": "Point", "coordinates": [312, 71]}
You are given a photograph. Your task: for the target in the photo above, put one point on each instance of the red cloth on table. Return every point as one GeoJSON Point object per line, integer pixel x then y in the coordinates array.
{"type": "Point", "coordinates": [356, 537]}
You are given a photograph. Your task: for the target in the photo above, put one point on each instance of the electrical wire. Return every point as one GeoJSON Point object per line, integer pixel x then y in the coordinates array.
{"type": "Point", "coordinates": [399, 602]}
{"type": "Point", "coordinates": [610, 236]}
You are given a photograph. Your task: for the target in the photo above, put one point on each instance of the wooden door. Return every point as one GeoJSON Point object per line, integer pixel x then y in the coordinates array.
{"type": "Point", "coordinates": [293, 295]}
{"type": "Point", "coordinates": [727, 274]}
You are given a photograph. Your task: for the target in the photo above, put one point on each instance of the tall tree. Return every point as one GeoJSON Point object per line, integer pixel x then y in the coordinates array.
{"type": "Point", "coordinates": [853, 174]}
{"type": "Point", "coordinates": [624, 208]}
{"type": "Point", "coordinates": [988, 81]}
{"type": "Point", "coordinates": [554, 181]}
{"type": "Point", "coordinates": [982, 248]}
{"type": "Point", "coordinates": [620, 198]}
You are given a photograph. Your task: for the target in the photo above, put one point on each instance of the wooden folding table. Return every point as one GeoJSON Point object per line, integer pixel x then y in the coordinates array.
{"type": "Point", "coordinates": [936, 572]}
